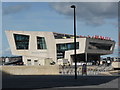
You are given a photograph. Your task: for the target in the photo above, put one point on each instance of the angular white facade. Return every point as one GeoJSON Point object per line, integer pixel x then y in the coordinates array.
{"type": "Point", "coordinates": [40, 48]}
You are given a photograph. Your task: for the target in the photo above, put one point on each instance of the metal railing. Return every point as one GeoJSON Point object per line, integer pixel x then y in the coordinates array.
{"type": "Point", "coordinates": [69, 70]}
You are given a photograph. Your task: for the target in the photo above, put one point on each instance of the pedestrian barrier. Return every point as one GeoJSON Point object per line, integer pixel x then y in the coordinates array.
{"type": "Point", "coordinates": [69, 70]}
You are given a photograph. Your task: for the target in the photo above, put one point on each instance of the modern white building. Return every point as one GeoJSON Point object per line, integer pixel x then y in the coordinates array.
{"type": "Point", "coordinates": [42, 48]}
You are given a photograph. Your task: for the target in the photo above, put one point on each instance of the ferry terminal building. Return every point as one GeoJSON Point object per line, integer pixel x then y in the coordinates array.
{"type": "Point", "coordinates": [42, 48]}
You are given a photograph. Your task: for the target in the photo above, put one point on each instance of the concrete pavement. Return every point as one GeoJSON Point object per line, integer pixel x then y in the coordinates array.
{"type": "Point", "coordinates": [59, 81]}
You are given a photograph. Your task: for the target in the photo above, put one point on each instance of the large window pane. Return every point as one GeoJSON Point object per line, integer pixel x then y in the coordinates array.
{"type": "Point", "coordinates": [41, 43]}
{"type": "Point", "coordinates": [99, 46]}
{"type": "Point", "coordinates": [21, 41]}
{"type": "Point", "coordinates": [61, 48]}
{"type": "Point", "coordinates": [67, 46]}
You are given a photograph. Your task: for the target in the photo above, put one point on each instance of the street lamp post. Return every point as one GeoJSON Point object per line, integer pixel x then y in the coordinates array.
{"type": "Point", "coordinates": [73, 6]}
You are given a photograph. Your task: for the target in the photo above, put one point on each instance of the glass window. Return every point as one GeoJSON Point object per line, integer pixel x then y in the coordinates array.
{"type": "Point", "coordinates": [41, 43]}
{"type": "Point", "coordinates": [67, 46]}
{"type": "Point", "coordinates": [21, 41]}
{"type": "Point", "coordinates": [35, 62]}
{"type": "Point", "coordinates": [61, 48]}
{"type": "Point", "coordinates": [28, 62]}
{"type": "Point", "coordinates": [99, 46]}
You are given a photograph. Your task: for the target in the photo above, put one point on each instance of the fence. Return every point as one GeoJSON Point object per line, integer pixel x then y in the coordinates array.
{"type": "Point", "coordinates": [91, 70]}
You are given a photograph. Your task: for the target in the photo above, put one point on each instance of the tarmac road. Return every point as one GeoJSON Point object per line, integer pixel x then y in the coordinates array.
{"type": "Point", "coordinates": [58, 82]}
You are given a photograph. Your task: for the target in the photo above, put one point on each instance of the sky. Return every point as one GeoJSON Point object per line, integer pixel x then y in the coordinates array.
{"type": "Point", "coordinates": [93, 18]}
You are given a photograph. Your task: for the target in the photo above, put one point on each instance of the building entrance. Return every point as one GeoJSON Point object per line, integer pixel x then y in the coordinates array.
{"type": "Point", "coordinates": [93, 58]}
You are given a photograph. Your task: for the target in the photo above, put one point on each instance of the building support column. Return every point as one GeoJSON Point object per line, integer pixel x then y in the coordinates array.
{"type": "Point", "coordinates": [86, 57]}
{"type": "Point", "coordinates": [99, 60]}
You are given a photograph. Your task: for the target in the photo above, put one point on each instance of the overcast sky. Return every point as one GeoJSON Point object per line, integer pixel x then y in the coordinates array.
{"type": "Point", "coordinates": [93, 18]}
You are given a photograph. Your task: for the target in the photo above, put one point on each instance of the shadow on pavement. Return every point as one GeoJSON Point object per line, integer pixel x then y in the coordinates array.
{"type": "Point", "coordinates": [51, 81]}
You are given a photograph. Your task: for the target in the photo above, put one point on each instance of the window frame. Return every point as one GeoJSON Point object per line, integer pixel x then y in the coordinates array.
{"type": "Point", "coordinates": [21, 41]}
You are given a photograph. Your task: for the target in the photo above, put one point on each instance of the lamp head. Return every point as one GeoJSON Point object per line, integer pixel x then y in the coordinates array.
{"type": "Point", "coordinates": [73, 6]}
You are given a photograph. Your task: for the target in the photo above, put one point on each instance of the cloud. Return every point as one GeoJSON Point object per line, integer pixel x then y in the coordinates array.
{"type": "Point", "coordinates": [91, 13]}
{"type": "Point", "coordinates": [14, 9]}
